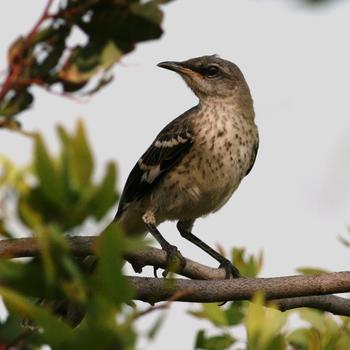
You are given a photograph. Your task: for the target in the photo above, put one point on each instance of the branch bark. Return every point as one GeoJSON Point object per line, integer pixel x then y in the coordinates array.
{"type": "Point", "coordinates": [286, 292]}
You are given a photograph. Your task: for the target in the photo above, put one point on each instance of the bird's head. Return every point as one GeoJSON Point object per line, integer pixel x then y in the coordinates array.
{"type": "Point", "coordinates": [211, 77]}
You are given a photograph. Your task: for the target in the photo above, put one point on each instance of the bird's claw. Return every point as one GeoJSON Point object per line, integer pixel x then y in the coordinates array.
{"type": "Point", "coordinates": [230, 269]}
{"type": "Point", "coordinates": [174, 260]}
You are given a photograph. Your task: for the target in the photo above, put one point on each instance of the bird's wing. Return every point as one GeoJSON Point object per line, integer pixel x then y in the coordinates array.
{"type": "Point", "coordinates": [253, 157]}
{"type": "Point", "coordinates": [166, 151]}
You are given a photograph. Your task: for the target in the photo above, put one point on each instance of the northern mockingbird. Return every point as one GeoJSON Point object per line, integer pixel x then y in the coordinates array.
{"type": "Point", "coordinates": [197, 161]}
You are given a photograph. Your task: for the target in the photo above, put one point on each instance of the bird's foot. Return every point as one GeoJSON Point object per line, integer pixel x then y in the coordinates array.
{"type": "Point", "coordinates": [174, 261]}
{"type": "Point", "coordinates": [230, 269]}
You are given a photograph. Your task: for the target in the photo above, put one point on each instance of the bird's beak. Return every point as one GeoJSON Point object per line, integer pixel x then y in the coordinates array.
{"type": "Point", "coordinates": [177, 67]}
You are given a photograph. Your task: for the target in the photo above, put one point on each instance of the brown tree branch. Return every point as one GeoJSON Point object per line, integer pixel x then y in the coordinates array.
{"type": "Point", "coordinates": [331, 303]}
{"type": "Point", "coordinates": [290, 291]}
{"type": "Point", "coordinates": [287, 292]}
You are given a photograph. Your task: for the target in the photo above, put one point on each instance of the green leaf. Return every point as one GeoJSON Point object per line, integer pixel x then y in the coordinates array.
{"type": "Point", "coordinates": [64, 193]}
{"type": "Point", "coordinates": [76, 162]}
{"type": "Point", "coordinates": [43, 238]}
{"type": "Point", "coordinates": [85, 62]}
{"type": "Point", "coordinates": [249, 266]}
{"type": "Point", "coordinates": [10, 329]}
{"type": "Point", "coordinates": [66, 179]}
{"type": "Point", "coordinates": [311, 271]}
{"type": "Point", "coordinates": [125, 25]}
{"type": "Point", "coordinates": [314, 317]}
{"type": "Point", "coordinates": [235, 313]}
{"type": "Point", "coordinates": [213, 313]}
{"type": "Point", "coordinates": [104, 196]}
{"type": "Point", "coordinates": [49, 181]}
{"type": "Point", "coordinates": [149, 11]}
{"type": "Point", "coordinates": [82, 64]}
{"type": "Point", "coordinates": [110, 55]}
{"type": "Point", "coordinates": [55, 332]}
{"type": "Point", "coordinates": [153, 331]}
{"type": "Point", "coordinates": [53, 44]}
{"type": "Point", "coordinates": [219, 342]}
{"type": "Point", "coordinates": [61, 271]}
{"type": "Point", "coordinates": [113, 28]}
{"type": "Point", "coordinates": [97, 338]}
{"type": "Point", "coordinates": [299, 339]}
{"type": "Point", "coordinates": [17, 103]}
{"type": "Point", "coordinates": [26, 278]}
{"type": "Point", "coordinates": [82, 162]}
{"type": "Point", "coordinates": [264, 325]}
{"type": "Point", "coordinates": [109, 280]}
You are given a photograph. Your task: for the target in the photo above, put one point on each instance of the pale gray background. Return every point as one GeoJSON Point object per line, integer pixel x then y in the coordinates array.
{"type": "Point", "coordinates": [296, 60]}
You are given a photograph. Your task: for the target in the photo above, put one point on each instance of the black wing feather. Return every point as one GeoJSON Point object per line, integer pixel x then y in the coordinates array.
{"type": "Point", "coordinates": [166, 151]}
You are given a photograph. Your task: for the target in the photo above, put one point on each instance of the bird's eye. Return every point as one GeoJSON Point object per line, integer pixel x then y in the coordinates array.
{"type": "Point", "coordinates": [211, 71]}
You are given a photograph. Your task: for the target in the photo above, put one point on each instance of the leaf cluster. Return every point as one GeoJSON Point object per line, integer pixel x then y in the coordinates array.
{"type": "Point", "coordinates": [54, 295]}
{"type": "Point", "coordinates": [48, 296]}
{"type": "Point", "coordinates": [64, 192]}
{"type": "Point", "coordinates": [266, 328]}
{"type": "Point", "coordinates": [108, 30]}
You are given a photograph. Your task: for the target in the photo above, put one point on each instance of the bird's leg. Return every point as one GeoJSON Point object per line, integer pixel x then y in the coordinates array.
{"type": "Point", "coordinates": [171, 251]}
{"type": "Point", "coordinates": [185, 227]}
{"type": "Point", "coordinates": [173, 254]}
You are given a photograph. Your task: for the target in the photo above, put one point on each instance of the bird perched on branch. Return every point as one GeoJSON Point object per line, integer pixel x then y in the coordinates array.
{"type": "Point", "coordinates": [197, 161]}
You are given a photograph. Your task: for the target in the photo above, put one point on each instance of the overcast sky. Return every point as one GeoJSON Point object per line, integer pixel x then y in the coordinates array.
{"type": "Point", "coordinates": [296, 60]}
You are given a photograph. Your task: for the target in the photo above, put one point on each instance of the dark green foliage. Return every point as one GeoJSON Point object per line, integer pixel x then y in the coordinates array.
{"type": "Point", "coordinates": [249, 266]}
{"type": "Point", "coordinates": [55, 292]}
{"type": "Point", "coordinates": [265, 327]}
{"type": "Point", "coordinates": [65, 193]}
{"type": "Point", "coordinates": [58, 280]}
{"type": "Point", "coordinates": [15, 104]}
{"type": "Point", "coordinates": [108, 279]}
{"type": "Point", "coordinates": [112, 29]}
{"type": "Point", "coordinates": [219, 342]}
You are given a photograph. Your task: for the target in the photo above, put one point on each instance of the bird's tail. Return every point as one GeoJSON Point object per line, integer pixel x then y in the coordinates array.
{"type": "Point", "coordinates": [131, 222]}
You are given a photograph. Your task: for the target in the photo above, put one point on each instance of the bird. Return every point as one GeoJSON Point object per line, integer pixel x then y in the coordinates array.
{"type": "Point", "coordinates": [197, 161]}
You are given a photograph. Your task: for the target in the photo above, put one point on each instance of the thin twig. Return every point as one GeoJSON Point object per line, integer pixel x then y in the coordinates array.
{"type": "Point", "coordinates": [16, 66]}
